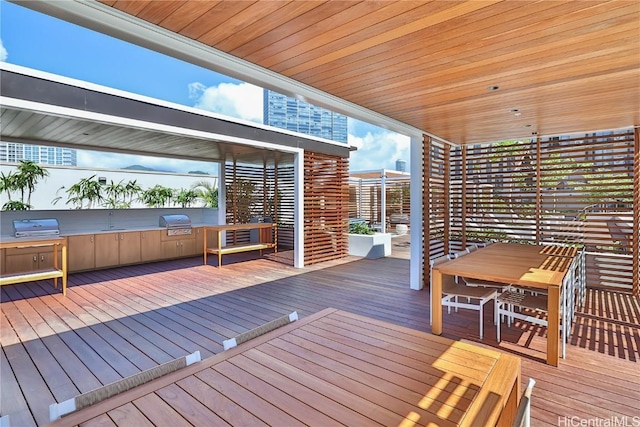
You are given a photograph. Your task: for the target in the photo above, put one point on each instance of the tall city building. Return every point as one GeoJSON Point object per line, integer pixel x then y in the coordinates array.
{"type": "Point", "coordinates": [14, 152]}
{"type": "Point", "coordinates": [292, 114]}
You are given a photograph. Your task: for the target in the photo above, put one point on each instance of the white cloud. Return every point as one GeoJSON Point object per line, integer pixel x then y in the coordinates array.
{"type": "Point", "coordinates": [243, 101]}
{"type": "Point", "coordinates": [3, 52]}
{"type": "Point", "coordinates": [378, 150]}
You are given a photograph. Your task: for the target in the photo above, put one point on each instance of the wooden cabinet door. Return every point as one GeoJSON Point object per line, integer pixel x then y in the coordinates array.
{"type": "Point", "coordinates": [188, 247]}
{"type": "Point", "coordinates": [81, 252]}
{"type": "Point", "coordinates": [3, 262]}
{"type": "Point", "coordinates": [199, 249]}
{"type": "Point", "coordinates": [21, 262]}
{"type": "Point", "coordinates": [45, 260]}
{"type": "Point", "coordinates": [169, 248]}
{"type": "Point", "coordinates": [107, 249]}
{"type": "Point", "coordinates": [150, 245]}
{"type": "Point", "coordinates": [129, 247]}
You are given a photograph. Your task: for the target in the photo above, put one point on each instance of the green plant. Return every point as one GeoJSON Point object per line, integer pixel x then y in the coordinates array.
{"type": "Point", "coordinates": [23, 180]}
{"type": "Point", "coordinates": [241, 200]}
{"type": "Point", "coordinates": [29, 173]}
{"type": "Point", "coordinates": [206, 192]}
{"type": "Point", "coordinates": [121, 195]}
{"type": "Point", "coordinates": [360, 228]}
{"type": "Point", "coordinates": [16, 205]}
{"type": "Point", "coordinates": [86, 190]}
{"type": "Point", "coordinates": [184, 197]}
{"type": "Point", "coordinates": [157, 196]}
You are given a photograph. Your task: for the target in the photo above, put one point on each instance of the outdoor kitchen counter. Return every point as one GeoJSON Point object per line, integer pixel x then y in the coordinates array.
{"type": "Point", "coordinates": [121, 230]}
{"type": "Point", "coordinates": [57, 271]}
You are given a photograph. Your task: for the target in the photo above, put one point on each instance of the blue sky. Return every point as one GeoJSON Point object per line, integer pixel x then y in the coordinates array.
{"type": "Point", "coordinates": [34, 40]}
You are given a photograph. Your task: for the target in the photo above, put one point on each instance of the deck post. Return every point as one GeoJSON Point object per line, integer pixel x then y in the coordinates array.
{"type": "Point", "coordinates": [416, 277]}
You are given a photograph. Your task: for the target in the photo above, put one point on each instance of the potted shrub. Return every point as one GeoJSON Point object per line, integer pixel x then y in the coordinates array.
{"type": "Point", "coordinates": [363, 241]}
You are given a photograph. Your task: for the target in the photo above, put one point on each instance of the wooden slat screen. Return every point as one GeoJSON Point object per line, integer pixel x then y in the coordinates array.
{"type": "Point", "coordinates": [438, 203]}
{"type": "Point", "coordinates": [499, 193]}
{"type": "Point", "coordinates": [398, 196]}
{"type": "Point", "coordinates": [326, 207]}
{"type": "Point", "coordinates": [284, 177]}
{"type": "Point", "coordinates": [587, 199]}
{"type": "Point", "coordinates": [364, 199]}
{"type": "Point", "coordinates": [251, 192]}
{"type": "Point", "coordinates": [636, 213]}
{"type": "Point", "coordinates": [578, 191]}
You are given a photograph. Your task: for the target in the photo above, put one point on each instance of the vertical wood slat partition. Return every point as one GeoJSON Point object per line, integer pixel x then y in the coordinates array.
{"type": "Point", "coordinates": [580, 191]}
{"type": "Point", "coordinates": [326, 207]}
{"type": "Point", "coordinates": [426, 211]}
{"type": "Point", "coordinates": [260, 191]}
{"type": "Point", "coordinates": [439, 204]}
{"type": "Point", "coordinates": [636, 212]}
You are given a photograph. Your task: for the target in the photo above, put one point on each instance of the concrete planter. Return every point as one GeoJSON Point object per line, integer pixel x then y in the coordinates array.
{"type": "Point", "coordinates": [372, 246]}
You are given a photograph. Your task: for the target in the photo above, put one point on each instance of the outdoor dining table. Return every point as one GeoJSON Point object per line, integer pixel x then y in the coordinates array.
{"type": "Point", "coordinates": [536, 266]}
{"type": "Point", "coordinates": [330, 368]}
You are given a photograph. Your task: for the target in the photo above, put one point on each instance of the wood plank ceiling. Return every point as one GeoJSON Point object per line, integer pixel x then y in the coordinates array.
{"type": "Point", "coordinates": [566, 66]}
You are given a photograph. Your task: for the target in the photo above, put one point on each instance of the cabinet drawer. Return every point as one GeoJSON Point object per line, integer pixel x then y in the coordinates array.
{"type": "Point", "coordinates": [29, 250]}
{"type": "Point", "coordinates": [165, 238]}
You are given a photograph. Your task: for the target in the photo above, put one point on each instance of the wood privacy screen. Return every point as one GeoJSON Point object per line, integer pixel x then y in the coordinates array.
{"type": "Point", "coordinates": [560, 190]}
{"type": "Point", "coordinates": [365, 198]}
{"type": "Point", "coordinates": [326, 207]}
{"type": "Point", "coordinates": [261, 191]}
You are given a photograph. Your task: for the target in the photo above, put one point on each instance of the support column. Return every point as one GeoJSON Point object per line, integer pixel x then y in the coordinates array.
{"type": "Point", "coordinates": [298, 215]}
{"type": "Point", "coordinates": [419, 235]}
{"type": "Point", "coordinates": [383, 201]}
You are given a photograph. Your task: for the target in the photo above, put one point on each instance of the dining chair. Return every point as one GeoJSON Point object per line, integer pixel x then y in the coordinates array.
{"type": "Point", "coordinates": [523, 414]}
{"type": "Point", "coordinates": [453, 291]}
{"type": "Point", "coordinates": [57, 410]}
{"type": "Point", "coordinates": [525, 302]}
{"type": "Point", "coordinates": [260, 330]}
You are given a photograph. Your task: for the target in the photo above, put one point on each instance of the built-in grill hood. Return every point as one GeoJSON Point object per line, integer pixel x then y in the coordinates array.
{"type": "Point", "coordinates": [36, 227]}
{"type": "Point", "coordinates": [176, 224]}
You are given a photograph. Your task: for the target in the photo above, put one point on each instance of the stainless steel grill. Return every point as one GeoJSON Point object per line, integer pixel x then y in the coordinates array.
{"type": "Point", "coordinates": [36, 227]}
{"type": "Point", "coordinates": [176, 225]}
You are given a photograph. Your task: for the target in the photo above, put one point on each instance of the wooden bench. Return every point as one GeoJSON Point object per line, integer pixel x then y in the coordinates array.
{"type": "Point", "coordinates": [266, 241]}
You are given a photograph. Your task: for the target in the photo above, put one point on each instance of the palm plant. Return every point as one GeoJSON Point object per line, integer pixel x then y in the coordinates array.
{"type": "Point", "coordinates": [8, 183]}
{"type": "Point", "coordinates": [207, 192]}
{"type": "Point", "coordinates": [132, 192]}
{"type": "Point", "coordinates": [185, 198]}
{"type": "Point", "coordinates": [87, 189]}
{"type": "Point", "coordinates": [24, 179]}
{"type": "Point", "coordinates": [157, 196]}
{"type": "Point", "coordinates": [29, 173]}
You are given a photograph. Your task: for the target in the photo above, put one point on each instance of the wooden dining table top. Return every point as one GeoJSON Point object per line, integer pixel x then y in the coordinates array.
{"type": "Point", "coordinates": [330, 368]}
{"type": "Point", "coordinates": [527, 265]}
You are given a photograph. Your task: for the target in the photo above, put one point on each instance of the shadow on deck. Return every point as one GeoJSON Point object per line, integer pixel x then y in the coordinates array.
{"type": "Point", "coordinates": [117, 322]}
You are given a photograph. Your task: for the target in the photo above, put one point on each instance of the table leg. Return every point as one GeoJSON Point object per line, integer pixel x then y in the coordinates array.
{"type": "Point", "coordinates": [64, 269]}
{"type": "Point", "coordinates": [220, 249]}
{"type": "Point", "coordinates": [436, 302]}
{"type": "Point", "coordinates": [55, 264]}
{"type": "Point", "coordinates": [553, 329]}
{"type": "Point", "coordinates": [204, 250]}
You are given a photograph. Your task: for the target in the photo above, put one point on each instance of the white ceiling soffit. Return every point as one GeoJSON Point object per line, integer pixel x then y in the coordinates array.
{"type": "Point", "coordinates": [107, 20]}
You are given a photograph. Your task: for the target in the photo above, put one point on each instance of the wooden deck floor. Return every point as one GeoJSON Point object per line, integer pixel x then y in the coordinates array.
{"type": "Point", "coordinates": [114, 323]}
